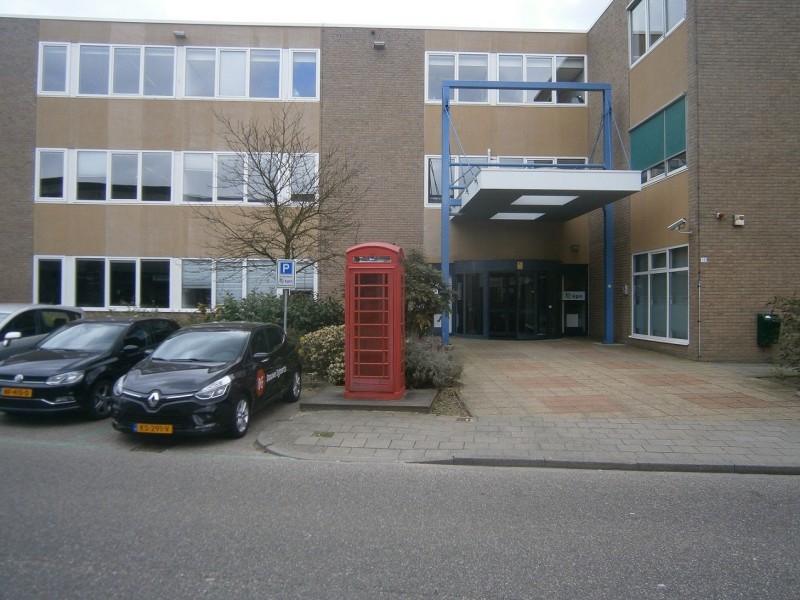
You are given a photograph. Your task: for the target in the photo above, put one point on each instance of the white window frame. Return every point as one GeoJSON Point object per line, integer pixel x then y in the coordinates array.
{"type": "Point", "coordinates": [668, 270]}
{"type": "Point", "coordinates": [67, 76]}
{"type": "Point", "coordinates": [649, 46]}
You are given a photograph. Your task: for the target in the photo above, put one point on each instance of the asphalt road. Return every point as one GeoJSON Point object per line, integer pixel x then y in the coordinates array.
{"type": "Point", "coordinates": [88, 513]}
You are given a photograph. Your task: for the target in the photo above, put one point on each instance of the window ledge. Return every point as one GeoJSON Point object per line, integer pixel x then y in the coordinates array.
{"type": "Point", "coordinates": [662, 340]}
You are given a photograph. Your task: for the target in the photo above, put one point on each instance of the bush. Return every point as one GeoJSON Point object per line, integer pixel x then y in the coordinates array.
{"type": "Point", "coordinates": [322, 352]}
{"type": "Point", "coordinates": [426, 294]}
{"type": "Point", "coordinates": [788, 307]}
{"type": "Point", "coordinates": [431, 365]}
{"type": "Point", "coordinates": [305, 313]}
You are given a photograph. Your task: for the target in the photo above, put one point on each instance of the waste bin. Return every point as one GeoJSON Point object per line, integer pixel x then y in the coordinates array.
{"type": "Point", "coordinates": [768, 329]}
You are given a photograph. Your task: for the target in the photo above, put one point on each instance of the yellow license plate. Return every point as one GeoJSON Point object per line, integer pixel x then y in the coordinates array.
{"type": "Point", "coordinates": [150, 428]}
{"type": "Point", "coordinates": [17, 392]}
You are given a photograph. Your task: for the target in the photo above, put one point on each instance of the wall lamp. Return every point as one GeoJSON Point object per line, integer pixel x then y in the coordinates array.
{"type": "Point", "coordinates": [181, 35]}
{"type": "Point", "coordinates": [378, 44]}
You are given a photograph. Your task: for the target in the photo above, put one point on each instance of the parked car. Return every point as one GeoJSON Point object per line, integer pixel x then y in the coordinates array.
{"type": "Point", "coordinates": [22, 326]}
{"type": "Point", "coordinates": [208, 377]}
{"type": "Point", "coordinates": [75, 367]}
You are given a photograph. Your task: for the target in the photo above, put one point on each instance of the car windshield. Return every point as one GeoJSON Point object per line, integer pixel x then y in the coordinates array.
{"type": "Point", "coordinates": [92, 337]}
{"type": "Point", "coordinates": [203, 346]}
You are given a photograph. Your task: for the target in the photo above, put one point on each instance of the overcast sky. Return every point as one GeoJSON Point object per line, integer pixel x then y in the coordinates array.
{"type": "Point", "coordinates": [484, 14]}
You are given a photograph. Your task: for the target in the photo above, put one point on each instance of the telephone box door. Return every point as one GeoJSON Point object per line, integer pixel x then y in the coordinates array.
{"type": "Point", "coordinates": [374, 322]}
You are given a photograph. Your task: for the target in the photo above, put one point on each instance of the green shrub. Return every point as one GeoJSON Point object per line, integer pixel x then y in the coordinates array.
{"type": "Point", "coordinates": [305, 313]}
{"type": "Point", "coordinates": [322, 352]}
{"type": "Point", "coordinates": [788, 307]}
{"type": "Point", "coordinates": [426, 294]}
{"type": "Point", "coordinates": [431, 365]}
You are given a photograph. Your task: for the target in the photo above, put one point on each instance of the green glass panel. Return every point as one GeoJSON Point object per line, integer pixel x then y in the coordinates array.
{"type": "Point", "coordinates": [647, 143]}
{"type": "Point", "coordinates": [675, 127]}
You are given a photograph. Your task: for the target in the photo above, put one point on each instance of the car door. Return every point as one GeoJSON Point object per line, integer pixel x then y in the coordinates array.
{"type": "Point", "coordinates": [280, 373]}
{"type": "Point", "coordinates": [259, 367]}
{"type": "Point", "coordinates": [25, 324]}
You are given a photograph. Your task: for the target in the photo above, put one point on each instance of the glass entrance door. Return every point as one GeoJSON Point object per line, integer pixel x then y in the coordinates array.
{"type": "Point", "coordinates": [502, 304]}
{"type": "Point", "coordinates": [520, 305]}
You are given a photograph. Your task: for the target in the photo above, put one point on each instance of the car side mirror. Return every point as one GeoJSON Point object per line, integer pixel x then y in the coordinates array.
{"type": "Point", "coordinates": [11, 335]}
{"type": "Point", "coordinates": [131, 348]}
{"type": "Point", "coordinates": [261, 355]}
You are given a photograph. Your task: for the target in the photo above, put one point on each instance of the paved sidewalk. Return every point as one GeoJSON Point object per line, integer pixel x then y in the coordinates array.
{"type": "Point", "coordinates": [573, 403]}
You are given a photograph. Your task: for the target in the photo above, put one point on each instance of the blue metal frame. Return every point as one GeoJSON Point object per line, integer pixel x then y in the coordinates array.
{"type": "Point", "coordinates": [447, 185]}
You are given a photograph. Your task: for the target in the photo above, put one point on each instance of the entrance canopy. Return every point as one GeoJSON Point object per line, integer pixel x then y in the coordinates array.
{"type": "Point", "coordinates": [544, 194]}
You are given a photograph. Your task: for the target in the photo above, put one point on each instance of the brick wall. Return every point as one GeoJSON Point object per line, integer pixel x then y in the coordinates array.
{"type": "Point", "coordinates": [372, 108]}
{"type": "Point", "coordinates": [18, 56]}
{"type": "Point", "coordinates": [608, 63]}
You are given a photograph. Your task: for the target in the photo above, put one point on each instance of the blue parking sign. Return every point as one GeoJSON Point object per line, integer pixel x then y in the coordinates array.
{"type": "Point", "coordinates": [286, 274]}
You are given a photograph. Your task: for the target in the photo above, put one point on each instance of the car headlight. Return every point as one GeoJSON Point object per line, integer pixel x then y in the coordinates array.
{"type": "Point", "coordinates": [215, 390]}
{"type": "Point", "coordinates": [70, 378]}
{"type": "Point", "coordinates": [120, 383]}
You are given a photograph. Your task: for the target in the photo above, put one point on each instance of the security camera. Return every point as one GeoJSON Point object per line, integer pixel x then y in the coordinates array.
{"type": "Point", "coordinates": [677, 225]}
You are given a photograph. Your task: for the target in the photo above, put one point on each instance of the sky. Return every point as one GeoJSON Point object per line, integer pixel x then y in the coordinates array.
{"type": "Point", "coordinates": [569, 15]}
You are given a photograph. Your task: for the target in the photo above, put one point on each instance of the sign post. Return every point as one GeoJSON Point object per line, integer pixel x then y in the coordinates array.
{"type": "Point", "coordinates": [286, 281]}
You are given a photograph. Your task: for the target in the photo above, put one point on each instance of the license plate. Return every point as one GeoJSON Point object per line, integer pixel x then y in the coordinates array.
{"type": "Point", "coordinates": [151, 428]}
{"type": "Point", "coordinates": [17, 392]}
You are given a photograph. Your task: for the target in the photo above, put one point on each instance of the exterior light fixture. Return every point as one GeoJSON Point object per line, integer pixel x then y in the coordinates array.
{"type": "Point", "coordinates": [181, 35]}
{"type": "Point", "coordinates": [378, 44]}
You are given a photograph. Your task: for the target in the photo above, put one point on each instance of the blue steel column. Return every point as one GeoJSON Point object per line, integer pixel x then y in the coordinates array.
{"type": "Point", "coordinates": [446, 191]}
{"type": "Point", "coordinates": [608, 226]}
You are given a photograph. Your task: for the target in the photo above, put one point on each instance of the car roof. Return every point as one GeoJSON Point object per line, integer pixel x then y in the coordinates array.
{"type": "Point", "coordinates": [113, 319]}
{"type": "Point", "coordinates": [15, 306]}
{"type": "Point", "coordinates": [226, 326]}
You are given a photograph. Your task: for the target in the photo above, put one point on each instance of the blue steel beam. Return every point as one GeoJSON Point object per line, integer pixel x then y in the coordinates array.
{"type": "Point", "coordinates": [447, 186]}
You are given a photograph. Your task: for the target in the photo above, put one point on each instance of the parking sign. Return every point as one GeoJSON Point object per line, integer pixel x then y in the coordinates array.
{"type": "Point", "coordinates": [286, 274]}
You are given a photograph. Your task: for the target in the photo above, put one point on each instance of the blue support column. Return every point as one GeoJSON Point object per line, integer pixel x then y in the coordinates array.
{"type": "Point", "coordinates": [446, 191]}
{"type": "Point", "coordinates": [608, 227]}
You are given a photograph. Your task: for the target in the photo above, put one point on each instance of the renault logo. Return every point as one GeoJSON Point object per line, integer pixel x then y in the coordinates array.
{"type": "Point", "coordinates": [153, 399]}
{"type": "Point", "coordinates": [18, 378]}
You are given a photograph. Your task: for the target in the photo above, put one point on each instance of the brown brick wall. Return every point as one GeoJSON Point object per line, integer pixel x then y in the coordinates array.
{"type": "Point", "coordinates": [743, 135]}
{"type": "Point", "coordinates": [372, 108]}
{"type": "Point", "coordinates": [608, 63]}
{"type": "Point", "coordinates": [18, 53]}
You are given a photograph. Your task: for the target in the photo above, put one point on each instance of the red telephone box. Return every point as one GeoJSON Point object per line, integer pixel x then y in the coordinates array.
{"type": "Point", "coordinates": [374, 365]}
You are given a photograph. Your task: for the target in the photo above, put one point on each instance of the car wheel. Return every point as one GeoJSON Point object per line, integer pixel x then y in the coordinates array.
{"type": "Point", "coordinates": [240, 418]}
{"type": "Point", "coordinates": [293, 393]}
{"type": "Point", "coordinates": [99, 406]}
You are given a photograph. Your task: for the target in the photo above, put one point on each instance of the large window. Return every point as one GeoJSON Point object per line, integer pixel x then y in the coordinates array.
{"type": "Point", "coordinates": [443, 66]}
{"type": "Point", "coordinates": [649, 21]}
{"type": "Point", "coordinates": [50, 181]}
{"type": "Point", "coordinates": [658, 146]}
{"type": "Point", "coordinates": [206, 72]}
{"type": "Point", "coordinates": [661, 295]}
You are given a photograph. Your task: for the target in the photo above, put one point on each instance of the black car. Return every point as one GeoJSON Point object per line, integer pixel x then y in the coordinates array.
{"type": "Point", "coordinates": [208, 377]}
{"type": "Point", "coordinates": [75, 367]}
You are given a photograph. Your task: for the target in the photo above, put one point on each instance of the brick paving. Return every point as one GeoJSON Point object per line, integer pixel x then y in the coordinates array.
{"type": "Point", "coordinates": [573, 403]}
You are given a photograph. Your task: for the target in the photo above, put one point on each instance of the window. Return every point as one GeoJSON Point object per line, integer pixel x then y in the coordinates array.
{"type": "Point", "coordinates": [90, 282]}
{"type": "Point", "coordinates": [53, 78]}
{"type": "Point", "coordinates": [232, 73]}
{"type": "Point", "coordinates": [154, 283]}
{"type": "Point", "coordinates": [94, 70]}
{"type": "Point", "coordinates": [265, 73]}
{"type": "Point", "coordinates": [196, 283]}
{"type": "Point", "coordinates": [658, 146]}
{"type": "Point", "coordinates": [92, 178]}
{"type": "Point", "coordinates": [49, 281]}
{"type": "Point", "coordinates": [261, 277]}
{"type": "Point", "coordinates": [304, 179]}
{"type": "Point", "coordinates": [122, 277]}
{"type": "Point", "coordinates": [200, 71]}
{"type": "Point", "coordinates": [127, 67]}
{"type": "Point", "coordinates": [661, 295]}
{"type": "Point", "coordinates": [230, 178]}
{"type": "Point", "coordinates": [159, 71]}
{"type": "Point", "coordinates": [509, 67]}
{"type": "Point", "coordinates": [156, 176]}
{"type": "Point", "coordinates": [51, 174]}
{"type": "Point", "coordinates": [124, 176]}
{"type": "Point", "coordinates": [304, 74]}
{"type": "Point", "coordinates": [198, 177]}
{"type": "Point", "coordinates": [650, 21]}
{"type": "Point", "coordinates": [229, 277]}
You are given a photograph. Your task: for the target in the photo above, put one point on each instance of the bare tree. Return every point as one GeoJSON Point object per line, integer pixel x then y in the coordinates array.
{"type": "Point", "coordinates": [289, 200]}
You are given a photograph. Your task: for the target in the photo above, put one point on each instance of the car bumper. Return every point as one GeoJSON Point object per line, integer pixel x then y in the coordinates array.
{"type": "Point", "coordinates": [41, 401]}
{"type": "Point", "coordinates": [183, 418]}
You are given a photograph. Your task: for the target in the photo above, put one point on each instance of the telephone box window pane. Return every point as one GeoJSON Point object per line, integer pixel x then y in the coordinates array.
{"type": "Point", "coordinates": [51, 174]}
{"type": "Point", "coordinates": [304, 75]}
{"type": "Point", "coordinates": [92, 178]}
{"type": "Point", "coordinates": [54, 69]}
{"type": "Point", "coordinates": [124, 176]}
{"type": "Point", "coordinates": [154, 286]}
{"type": "Point", "coordinates": [49, 291]}
{"type": "Point", "coordinates": [159, 71]}
{"type": "Point", "coordinates": [94, 66]}
{"type": "Point", "coordinates": [123, 283]}
{"type": "Point", "coordinates": [90, 282]}
{"type": "Point", "coordinates": [264, 73]}
{"type": "Point", "coordinates": [127, 64]}
{"type": "Point", "coordinates": [157, 176]}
